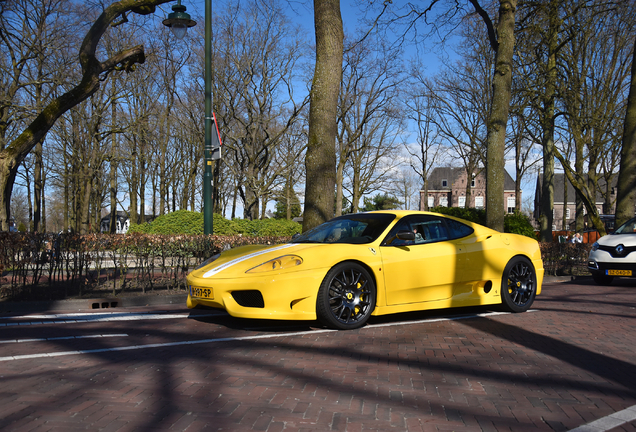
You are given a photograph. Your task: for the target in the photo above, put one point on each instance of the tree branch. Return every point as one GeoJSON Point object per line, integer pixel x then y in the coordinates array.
{"type": "Point", "coordinates": [492, 34]}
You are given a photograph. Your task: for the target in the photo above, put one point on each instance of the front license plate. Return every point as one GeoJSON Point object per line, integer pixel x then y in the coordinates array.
{"type": "Point", "coordinates": [199, 292]}
{"type": "Point", "coordinates": [619, 272]}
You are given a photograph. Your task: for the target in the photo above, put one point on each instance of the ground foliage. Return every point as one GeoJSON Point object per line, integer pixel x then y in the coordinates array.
{"type": "Point", "coordinates": [565, 259]}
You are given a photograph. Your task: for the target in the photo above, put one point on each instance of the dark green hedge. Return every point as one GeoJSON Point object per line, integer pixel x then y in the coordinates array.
{"type": "Point", "coordinates": [191, 223]}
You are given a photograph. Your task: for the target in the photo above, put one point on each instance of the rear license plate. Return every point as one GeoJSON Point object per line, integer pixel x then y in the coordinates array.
{"type": "Point", "coordinates": [199, 292]}
{"type": "Point", "coordinates": [619, 272]}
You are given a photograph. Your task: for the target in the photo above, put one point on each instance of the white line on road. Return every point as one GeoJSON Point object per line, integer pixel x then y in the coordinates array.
{"type": "Point", "coordinates": [609, 422]}
{"type": "Point", "coordinates": [96, 317]}
{"type": "Point", "coordinates": [159, 345]}
{"type": "Point", "coordinates": [61, 338]}
{"type": "Point", "coordinates": [233, 339]}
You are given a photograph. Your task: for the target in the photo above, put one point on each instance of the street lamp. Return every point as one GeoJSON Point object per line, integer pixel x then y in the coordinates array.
{"type": "Point", "coordinates": [179, 21]}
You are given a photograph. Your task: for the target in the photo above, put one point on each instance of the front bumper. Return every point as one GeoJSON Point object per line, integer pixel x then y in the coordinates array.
{"type": "Point", "coordinates": [601, 262]}
{"type": "Point", "coordinates": [286, 297]}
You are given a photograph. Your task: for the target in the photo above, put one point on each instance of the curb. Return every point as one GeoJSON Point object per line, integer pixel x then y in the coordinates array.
{"type": "Point", "coordinates": [562, 279]}
{"type": "Point", "coordinates": [94, 304]}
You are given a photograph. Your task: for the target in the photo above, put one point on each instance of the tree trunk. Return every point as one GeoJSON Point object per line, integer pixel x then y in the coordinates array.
{"type": "Point", "coordinates": [564, 218]}
{"type": "Point", "coordinates": [626, 195]}
{"type": "Point", "coordinates": [496, 136]}
{"type": "Point", "coordinates": [113, 169]}
{"type": "Point", "coordinates": [66, 206]}
{"type": "Point", "coordinates": [37, 187]}
{"type": "Point", "coordinates": [320, 160]}
{"type": "Point", "coordinates": [339, 181]}
{"type": "Point", "coordinates": [547, 194]}
{"type": "Point", "coordinates": [133, 187]}
{"type": "Point", "coordinates": [140, 188]}
{"type": "Point", "coordinates": [355, 187]}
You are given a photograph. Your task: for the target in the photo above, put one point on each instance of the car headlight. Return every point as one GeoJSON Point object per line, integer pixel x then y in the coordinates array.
{"type": "Point", "coordinates": [280, 263]}
{"type": "Point", "coordinates": [595, 247]}
{"type": "Point", "coordinates": [207, 261]}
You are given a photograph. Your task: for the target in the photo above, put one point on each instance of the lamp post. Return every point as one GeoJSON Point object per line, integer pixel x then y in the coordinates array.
{"type": "Point", "coordinates": [179, 21]}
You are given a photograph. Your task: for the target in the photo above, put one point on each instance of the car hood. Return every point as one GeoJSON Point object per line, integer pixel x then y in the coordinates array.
{"type": "Point", "coordinates": [237, 261]}
{"type": "Point", "coordinates": [616, 239]}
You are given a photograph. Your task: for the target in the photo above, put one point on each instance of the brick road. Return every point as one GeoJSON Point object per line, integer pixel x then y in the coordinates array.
{"type": "Point", "coordinates": [569, 362]}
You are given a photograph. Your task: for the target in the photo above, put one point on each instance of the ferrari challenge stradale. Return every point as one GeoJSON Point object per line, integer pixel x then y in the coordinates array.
{"type": "Point", "coordinates": [375, 263]}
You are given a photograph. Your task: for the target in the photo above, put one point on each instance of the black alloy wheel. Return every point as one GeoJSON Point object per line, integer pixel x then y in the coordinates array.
{"type": "Point", "coordinates": [518, 285]}
{"type": "Point", "coordinates": [346, 297]}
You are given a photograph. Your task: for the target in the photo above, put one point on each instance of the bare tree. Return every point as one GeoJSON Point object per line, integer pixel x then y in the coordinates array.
{"type": "Point", "coordinates": [93, 72]}
{"type": "Point", "coordinates": [596, 67]}
{"type": "Point", "coordinates": [372, 164]}
{"type": "Point", "coordinates": [261, 50]}
{"type": "Point", "coordinates": [462, 94]}
{"type": "Point", "coordinates": [626, 195]}
{"type": "Point", "coordinates": [369, 89]}
{"type": "Point", "coordinates": [420, 109]}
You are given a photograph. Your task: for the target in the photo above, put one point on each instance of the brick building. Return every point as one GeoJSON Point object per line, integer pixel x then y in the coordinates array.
{"type": "Point", "coordinates": [447, 188]}
{"type": "Point", "coordinates": [565, 201]}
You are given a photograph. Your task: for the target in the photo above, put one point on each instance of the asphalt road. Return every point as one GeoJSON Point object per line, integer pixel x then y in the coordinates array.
{"type": "Point", "coordinates": [568, 364]}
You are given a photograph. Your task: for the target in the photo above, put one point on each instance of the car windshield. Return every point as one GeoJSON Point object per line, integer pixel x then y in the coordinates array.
{"type": "Point", "coordinates": [628, 227]}
{"type": "Point", "coordinates": [357, 228]}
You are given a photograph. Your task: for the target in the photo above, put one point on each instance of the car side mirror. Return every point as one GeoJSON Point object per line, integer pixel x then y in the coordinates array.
{"type": "Point", "coordinates": [405, 235]}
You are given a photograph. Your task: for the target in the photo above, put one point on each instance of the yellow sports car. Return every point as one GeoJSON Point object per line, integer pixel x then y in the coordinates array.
{"type": "Point", "coordinates": [375, 263]}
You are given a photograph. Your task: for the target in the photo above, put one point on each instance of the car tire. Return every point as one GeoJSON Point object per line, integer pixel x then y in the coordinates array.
{"type": "Point", "coordinates": [518, 285]}
{"type": "Point", "coordinates": [602, 279]}
{"type": "Point", "coordinates": [346, 297]}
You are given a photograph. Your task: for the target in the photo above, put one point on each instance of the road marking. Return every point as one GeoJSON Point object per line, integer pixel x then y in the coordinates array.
{"type": "Point", "coordinates": [159, 345]}
{"type": "Point", "coordinates": [61, 338]}
{"type": "Point", "coordinates": [233, 339]}
{"type": "Point", "coordinates": [455, 318]}
{"type": "Point", "coordinates": [609, 422]}
{"type": "Point", "coordinates": [98, 317]}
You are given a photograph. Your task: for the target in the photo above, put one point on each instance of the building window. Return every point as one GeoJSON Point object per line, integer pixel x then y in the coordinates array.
{"type": "Point", "coordinates": [472, 182]}
{"type": "Point", "coordinates": [462, 202]}
{"type": "Point", "coordinates": [443, 201]}
{"type": "Point", "coordinates": [567, 213]}
{"type": "Point", "coordinates": [479, 202]}
{"type": "Point", "coordinates": [511, 205]}
{"type": "Point", "coordinates": [431, 201]}
{"type": "Point", "coordinates": [444, 183]}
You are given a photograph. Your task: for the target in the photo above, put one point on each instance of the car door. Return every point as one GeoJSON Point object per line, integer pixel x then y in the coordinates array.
{"type": "Point", "coordinates": [420, 270]}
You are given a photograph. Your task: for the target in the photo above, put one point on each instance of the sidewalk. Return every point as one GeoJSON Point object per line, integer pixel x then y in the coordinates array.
{"type": "Point", "coordinates": [101, 303]}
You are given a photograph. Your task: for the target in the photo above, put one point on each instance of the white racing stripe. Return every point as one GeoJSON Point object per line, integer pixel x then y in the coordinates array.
{"type": "Point", "coordinates": [243, 258]}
